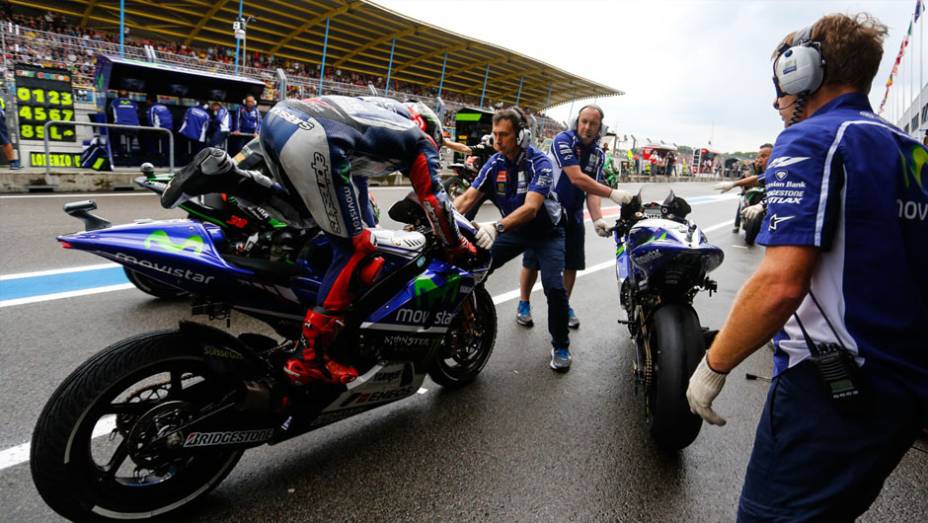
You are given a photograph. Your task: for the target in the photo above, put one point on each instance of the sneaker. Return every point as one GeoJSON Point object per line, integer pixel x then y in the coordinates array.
{"type": "Point", "coordinates": [524, 314]}
{"type": "Point", "coordinates": [560, 360]}
{"type": "Point", "coordinates": [15, 165]}
{"type": "Point", "coordinates": [572, 320]}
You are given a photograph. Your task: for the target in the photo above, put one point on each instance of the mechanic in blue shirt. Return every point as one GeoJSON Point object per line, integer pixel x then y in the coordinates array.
{"type": "Point", "coordinates": [578, 161]}
{"type": "Point", "coordinates": [219, 125]}
{"type": "Point", "coordinates": [518, 179]}
{"type": "Point", "coordinates": [157, 142]}
{"type": "Point", "coordinates": [247, 125]}
{"type": "Point", "coordinates": [5, 138]}
{"type": "Point", "coordinates": [123, 110]}
{"type": "Point", "coordinates": [843, 280]}
{"type": "Point", "coordinates": [194, 128]}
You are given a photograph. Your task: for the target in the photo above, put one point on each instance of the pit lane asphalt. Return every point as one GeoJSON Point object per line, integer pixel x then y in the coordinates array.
{"type": "Point", "coordinates": [520, 444]}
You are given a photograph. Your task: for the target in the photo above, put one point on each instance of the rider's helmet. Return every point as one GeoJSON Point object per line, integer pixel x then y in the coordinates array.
{"type": "Point", "coordinates": [427, 120]}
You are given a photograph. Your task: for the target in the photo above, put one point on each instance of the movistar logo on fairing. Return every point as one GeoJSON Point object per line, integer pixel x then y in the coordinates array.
{"type": "Point", "coordinates": [161, 238]}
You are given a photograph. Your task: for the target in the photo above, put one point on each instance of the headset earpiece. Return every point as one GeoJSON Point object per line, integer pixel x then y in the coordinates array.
{"type": "Point", "coordinates": [523, 133]}
{"type": "Point", "coordinates": [800, 69]}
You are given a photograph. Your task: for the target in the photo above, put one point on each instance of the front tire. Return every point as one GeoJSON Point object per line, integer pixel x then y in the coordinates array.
{"type": "Point", "coordinates": [677, 345]}
{"type": "Point", "coordinates": [751, 229]}
{"type": "Point", "coordinates": [133, 392]}
{"type": "Point", "coordinates": [152, 286]}
{"type": "Point", "coordinates": [466, 348]}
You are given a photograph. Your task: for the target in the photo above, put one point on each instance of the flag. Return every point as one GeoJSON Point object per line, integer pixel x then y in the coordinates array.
{"type": "Point", "coordinates": [919, 7]}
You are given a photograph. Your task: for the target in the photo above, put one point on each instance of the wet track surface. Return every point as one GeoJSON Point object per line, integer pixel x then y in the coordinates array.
{"type": "Point", "coordinates": [520, 444]}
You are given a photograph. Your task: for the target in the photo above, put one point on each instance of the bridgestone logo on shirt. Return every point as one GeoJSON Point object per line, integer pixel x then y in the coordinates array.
{"type": "Point", "coordinates": [206, 439]}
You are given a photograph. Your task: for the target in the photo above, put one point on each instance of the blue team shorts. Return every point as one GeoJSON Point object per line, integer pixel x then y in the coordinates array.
{"type": "Point", "coordinates": [574, 249]}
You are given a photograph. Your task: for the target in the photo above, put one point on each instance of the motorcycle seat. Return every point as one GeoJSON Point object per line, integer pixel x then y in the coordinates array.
{"type": "Point", "coordinates": [407, 244]}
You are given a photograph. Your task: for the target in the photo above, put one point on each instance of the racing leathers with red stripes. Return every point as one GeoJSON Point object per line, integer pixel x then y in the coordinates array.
{"type": "Point", "coordinates": [316, 147]}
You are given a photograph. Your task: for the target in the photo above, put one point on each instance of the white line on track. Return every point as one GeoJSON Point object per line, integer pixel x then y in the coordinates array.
{"type": "Point", "coordinates": [52, 272]}
{"type": "Point", "coordinates": [92, 195]}
{"type": "Point", "coordinates": [20, 453]}
{"type": "Point", "coordinates": [63, 295]}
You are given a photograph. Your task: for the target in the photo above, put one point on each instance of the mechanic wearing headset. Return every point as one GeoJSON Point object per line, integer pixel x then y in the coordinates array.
{"type": "Point", "coordinates": [518, 180]}
{"type": "Point", "coordinates": [846, 197]}
{"type": "Point", "coordinates": [578, 161]}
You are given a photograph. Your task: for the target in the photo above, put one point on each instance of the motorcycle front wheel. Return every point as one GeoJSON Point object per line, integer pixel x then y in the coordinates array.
{"type": "Point", "coordinates": [752, 229]}
{"type": "Point", "coordinates": [677, 344]}
{"type": "Point", "coordinates": [102, 449]}
{"type": "Point", "coordinates": [466, 348]}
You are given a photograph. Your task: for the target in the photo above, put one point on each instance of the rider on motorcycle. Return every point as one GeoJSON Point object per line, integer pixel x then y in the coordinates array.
{"type": "Point", "coordinates": [314, 148]}
{"type": "Point", "coordinates": [760, 165]}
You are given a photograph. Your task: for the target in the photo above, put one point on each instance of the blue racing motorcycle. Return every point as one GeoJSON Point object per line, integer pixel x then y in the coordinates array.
{"type": "Point", "coordinates": [662, 260]}
{"type": "Point", "coordinates": [156, 421]}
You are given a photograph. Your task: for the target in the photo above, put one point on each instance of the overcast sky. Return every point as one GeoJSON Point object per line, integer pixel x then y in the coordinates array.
{"type": "Point", "coordinates": [691, 70]}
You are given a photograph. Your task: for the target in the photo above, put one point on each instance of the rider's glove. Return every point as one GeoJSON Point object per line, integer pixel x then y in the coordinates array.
{"type": "Point", "coordinates": [705, 385]}
{"type": "Point", "coordinates": [601, 228]}
{"type": "Point", "coordinates": [724, 186]}
{"type": "Point", "coordinates": [463, 253]}
{"type": "Point", "coordinates": [620, 197]}
{"type": "Point", "coordinates": [486, 234]}
{"type": "Point", "coordinates": [749, 213]}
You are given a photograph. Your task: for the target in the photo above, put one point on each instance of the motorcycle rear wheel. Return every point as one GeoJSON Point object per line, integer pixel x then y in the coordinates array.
{"type": "Point", "coordinates": [152, 286]}
{"type": "Point", "coordinates": [677, 344]}
{"type": "Point", "coordinates": [133, 392]}
{"type": "Point", "coordinates": [466, 348]}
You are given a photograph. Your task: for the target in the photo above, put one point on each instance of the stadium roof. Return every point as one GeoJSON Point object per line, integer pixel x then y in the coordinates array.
{"type": "Point", "coordinates": [360, 38]}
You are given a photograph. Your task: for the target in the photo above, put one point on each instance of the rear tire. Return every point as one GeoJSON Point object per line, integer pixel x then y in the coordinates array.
{"type": "Point", "coordinates": [677, 345]}
{"type": "Point", "coordinates": [466, 348]}
{"type": "Point", "coordinates": [152, 286]}
{"type": "Point", "coordinates": [751, 229]}
{"type": "Point", "coordinates": [125, 391]}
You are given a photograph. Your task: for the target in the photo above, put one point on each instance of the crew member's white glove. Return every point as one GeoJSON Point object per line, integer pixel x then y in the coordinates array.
{"type": "Point", "coordinates": [486, 235]}
{"type": "Point", "coordinates": [724, 186]}
{"type": "Point", "coordinates": [601, 228]}
{"type": "Point", "coordinates": [620, 197]}
{"type": "Point", "coordinates": [705, 385]}
{"type": "Point", "coordinates": [749, 213]}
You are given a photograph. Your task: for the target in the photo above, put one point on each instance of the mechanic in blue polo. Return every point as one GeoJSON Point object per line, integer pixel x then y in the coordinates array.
{"type": "Point", "coordinates": [842, 284]}
{"type": "Point", "coordinates": [578, 161]}
{"type": "Point", "coordinates": [518, 179]}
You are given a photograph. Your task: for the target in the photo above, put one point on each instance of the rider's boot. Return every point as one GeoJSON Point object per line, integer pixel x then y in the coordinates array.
{"type": "Point", "coordinates": [310, 361]}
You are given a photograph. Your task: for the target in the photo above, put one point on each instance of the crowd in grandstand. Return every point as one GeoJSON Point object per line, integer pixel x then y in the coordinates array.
{"type": "Point", "coordinates": [54, 41]}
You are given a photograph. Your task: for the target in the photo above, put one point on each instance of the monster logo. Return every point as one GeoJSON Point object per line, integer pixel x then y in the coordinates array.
{"type": "Point", "coordinates": [161, 238]}
{"type": "Point", "coordinates": [428, 294]}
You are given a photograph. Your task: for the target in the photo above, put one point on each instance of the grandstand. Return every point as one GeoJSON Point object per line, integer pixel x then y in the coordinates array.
{"type": "Point", "coordinates": [292, 35]}
{"type": "Point", "coordinates": [317, 46]}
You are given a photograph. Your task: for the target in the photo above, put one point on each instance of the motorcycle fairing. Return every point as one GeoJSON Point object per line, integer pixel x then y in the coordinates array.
{"type": "Point", "coordinates": [428, 302]}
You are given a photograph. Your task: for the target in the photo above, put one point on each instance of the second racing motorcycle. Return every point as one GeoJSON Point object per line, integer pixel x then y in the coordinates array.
{"type": "Point", "coordinates": [662, 261]}
{"type": "Point", "coordinates": [154, 422]}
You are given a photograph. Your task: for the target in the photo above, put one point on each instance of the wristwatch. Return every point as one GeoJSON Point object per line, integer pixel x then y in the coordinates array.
{"type": "Point", "coordinates": [499, 227]}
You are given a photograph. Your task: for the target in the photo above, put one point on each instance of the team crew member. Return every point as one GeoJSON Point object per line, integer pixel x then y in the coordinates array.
{"type": "Point", "coordinates": [844, 190]}
{"type": "Point", "coordinates": [195, 127]}
{"type": "Point", "coordinates": [341, 132]}
{"type": "Point", "coordinates": [759, 166]}
{"type": "Point", "coordinates": [247, 125]}
{"type": "Point", "coordinates": [518, 179]}
{"type": "Point", "coordinates": [157, 143]}
{"type": "Point", "coordinates": [123, 111]}
{"type": "Point", "coordinates": [219, 125]}
{"type": "Point", "coordinates": [5, 139]}
{"type": "Point", "coordinates": [578, 161]}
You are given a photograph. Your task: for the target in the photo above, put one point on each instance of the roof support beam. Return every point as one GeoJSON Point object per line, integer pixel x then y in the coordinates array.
{"type": "Point", "coordinates": [327, 16]}
{"type": "Point", "coordinates": [376, 43]}
{"type": "Point", "coordinates": [419, 59]}
{"type": "Point", "coordinates": [87, 11]}
{"type": "Point", "coordinates": [206, 18]}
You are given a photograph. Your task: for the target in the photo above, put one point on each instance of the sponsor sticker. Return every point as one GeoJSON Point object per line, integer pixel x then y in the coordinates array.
{"type": "Point", "coordinates": [232, 437]}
